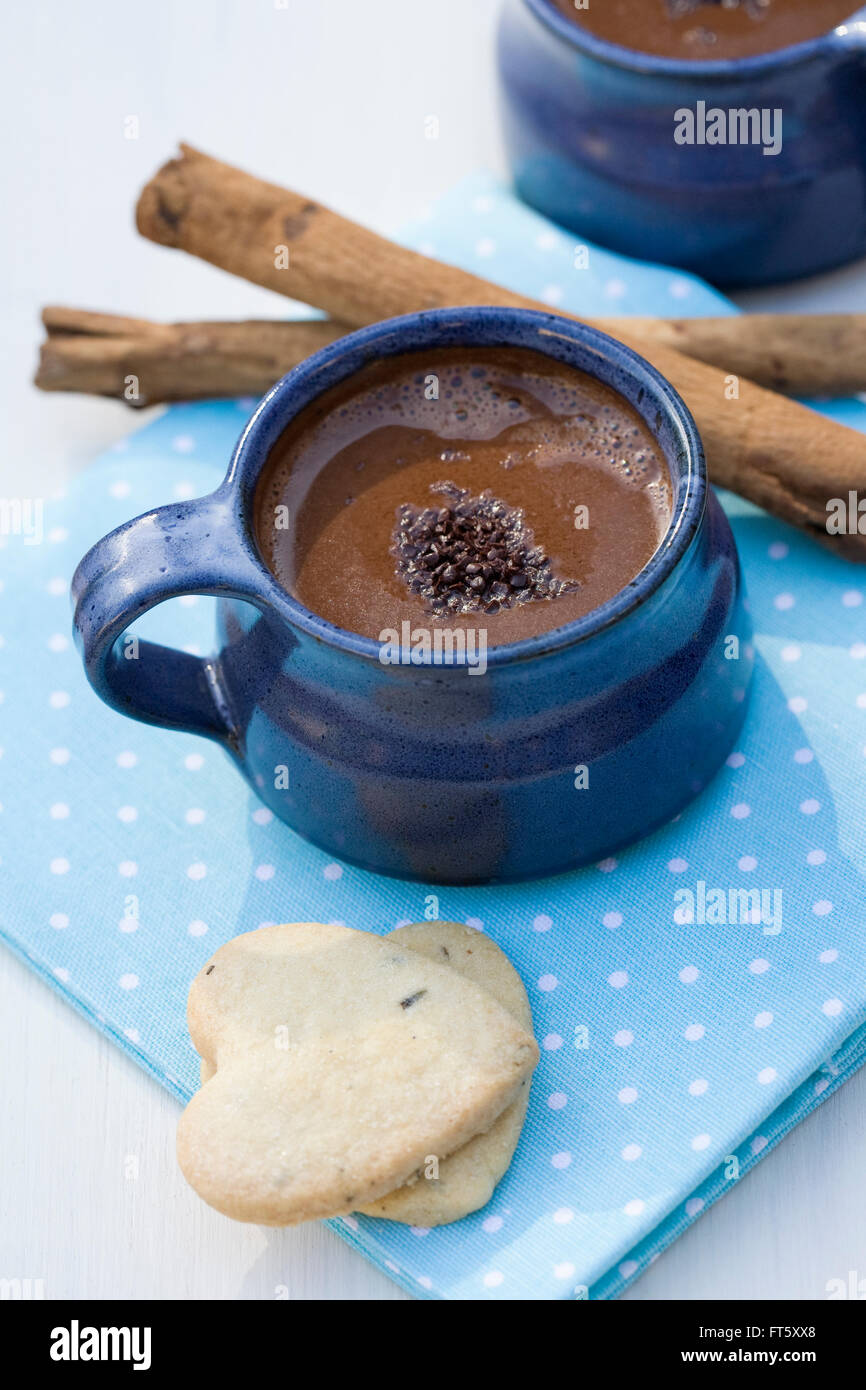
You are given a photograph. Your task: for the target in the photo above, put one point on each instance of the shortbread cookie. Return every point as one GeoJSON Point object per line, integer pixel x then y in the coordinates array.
{"type": "Point", "coordinates": [465, 1182]}
{"type": "Point", "coordinates": [342, 1061]}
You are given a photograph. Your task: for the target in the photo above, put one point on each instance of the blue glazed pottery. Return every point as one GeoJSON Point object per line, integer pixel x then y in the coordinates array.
{"type": "Point", "coordinates": [589, 129]}
{"type": "Point", "coordinates": [570, 744]}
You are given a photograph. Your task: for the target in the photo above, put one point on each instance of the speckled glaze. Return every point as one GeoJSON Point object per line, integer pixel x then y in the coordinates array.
{"type": "Point", "coordinates": [426, 771]}
{"type": "Point", "coordinates": [589, 132]}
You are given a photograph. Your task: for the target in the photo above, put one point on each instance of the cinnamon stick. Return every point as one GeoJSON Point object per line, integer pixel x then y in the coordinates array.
{"type": "Point", "coordinates": [774, 452]}
{"type": "Point", "coordinates": [798, 354]}
{"type": "Point", "coordinates": [145, 363]}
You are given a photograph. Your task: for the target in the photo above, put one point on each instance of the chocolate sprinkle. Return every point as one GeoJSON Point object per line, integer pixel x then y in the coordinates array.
{"type": "Point", "coordinates": [472, 554]}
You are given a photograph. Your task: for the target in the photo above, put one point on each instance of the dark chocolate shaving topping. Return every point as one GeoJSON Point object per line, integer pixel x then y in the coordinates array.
{"type": "Point", "coordinates": [472, 554]}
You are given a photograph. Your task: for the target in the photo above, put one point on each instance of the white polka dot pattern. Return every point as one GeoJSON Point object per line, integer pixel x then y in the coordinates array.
{"type": "Point", "coordinates": [132, 853]}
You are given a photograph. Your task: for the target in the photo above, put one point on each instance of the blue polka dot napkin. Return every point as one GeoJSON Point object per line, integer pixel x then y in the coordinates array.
{"type": "Point", "coordinates": [678, 1046]}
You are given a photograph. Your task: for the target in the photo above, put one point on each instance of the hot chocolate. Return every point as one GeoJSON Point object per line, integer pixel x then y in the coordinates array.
{"type": "Point", "coordinates": [708, 29]}
{"type": "Point", "coordinates": [487, 488]}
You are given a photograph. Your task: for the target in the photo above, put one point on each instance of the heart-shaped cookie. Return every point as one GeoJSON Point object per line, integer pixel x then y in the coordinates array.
{"type": "Point", "coordinates": [342, 1062]}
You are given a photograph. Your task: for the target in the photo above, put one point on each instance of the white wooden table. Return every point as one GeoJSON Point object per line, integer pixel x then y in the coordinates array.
{"type": "Point", "coordinates": [331, 98]}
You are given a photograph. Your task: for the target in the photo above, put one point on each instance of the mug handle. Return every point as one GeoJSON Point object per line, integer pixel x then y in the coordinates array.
{"type": "Point", "coordinates": [182, 548]}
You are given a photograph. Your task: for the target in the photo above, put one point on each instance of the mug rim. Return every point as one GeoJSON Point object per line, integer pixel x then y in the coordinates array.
{"type": "Point", "coordinates": [482, 326]}
{"type": "Point", "coordinates": [619, 55]}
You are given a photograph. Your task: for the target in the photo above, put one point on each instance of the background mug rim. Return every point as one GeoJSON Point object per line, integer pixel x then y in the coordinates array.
{"type": "Point", "coordinates": [649, 64]}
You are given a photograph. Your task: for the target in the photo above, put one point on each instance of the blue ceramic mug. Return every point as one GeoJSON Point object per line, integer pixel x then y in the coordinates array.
{"type": "Point", "coordinates": [424, 771]}
{"type": "Point", "coordinates": [590, 126]}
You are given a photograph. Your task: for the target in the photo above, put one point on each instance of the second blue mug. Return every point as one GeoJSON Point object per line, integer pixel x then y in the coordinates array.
{"type": "Point", "coordinates": [589, 129]}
